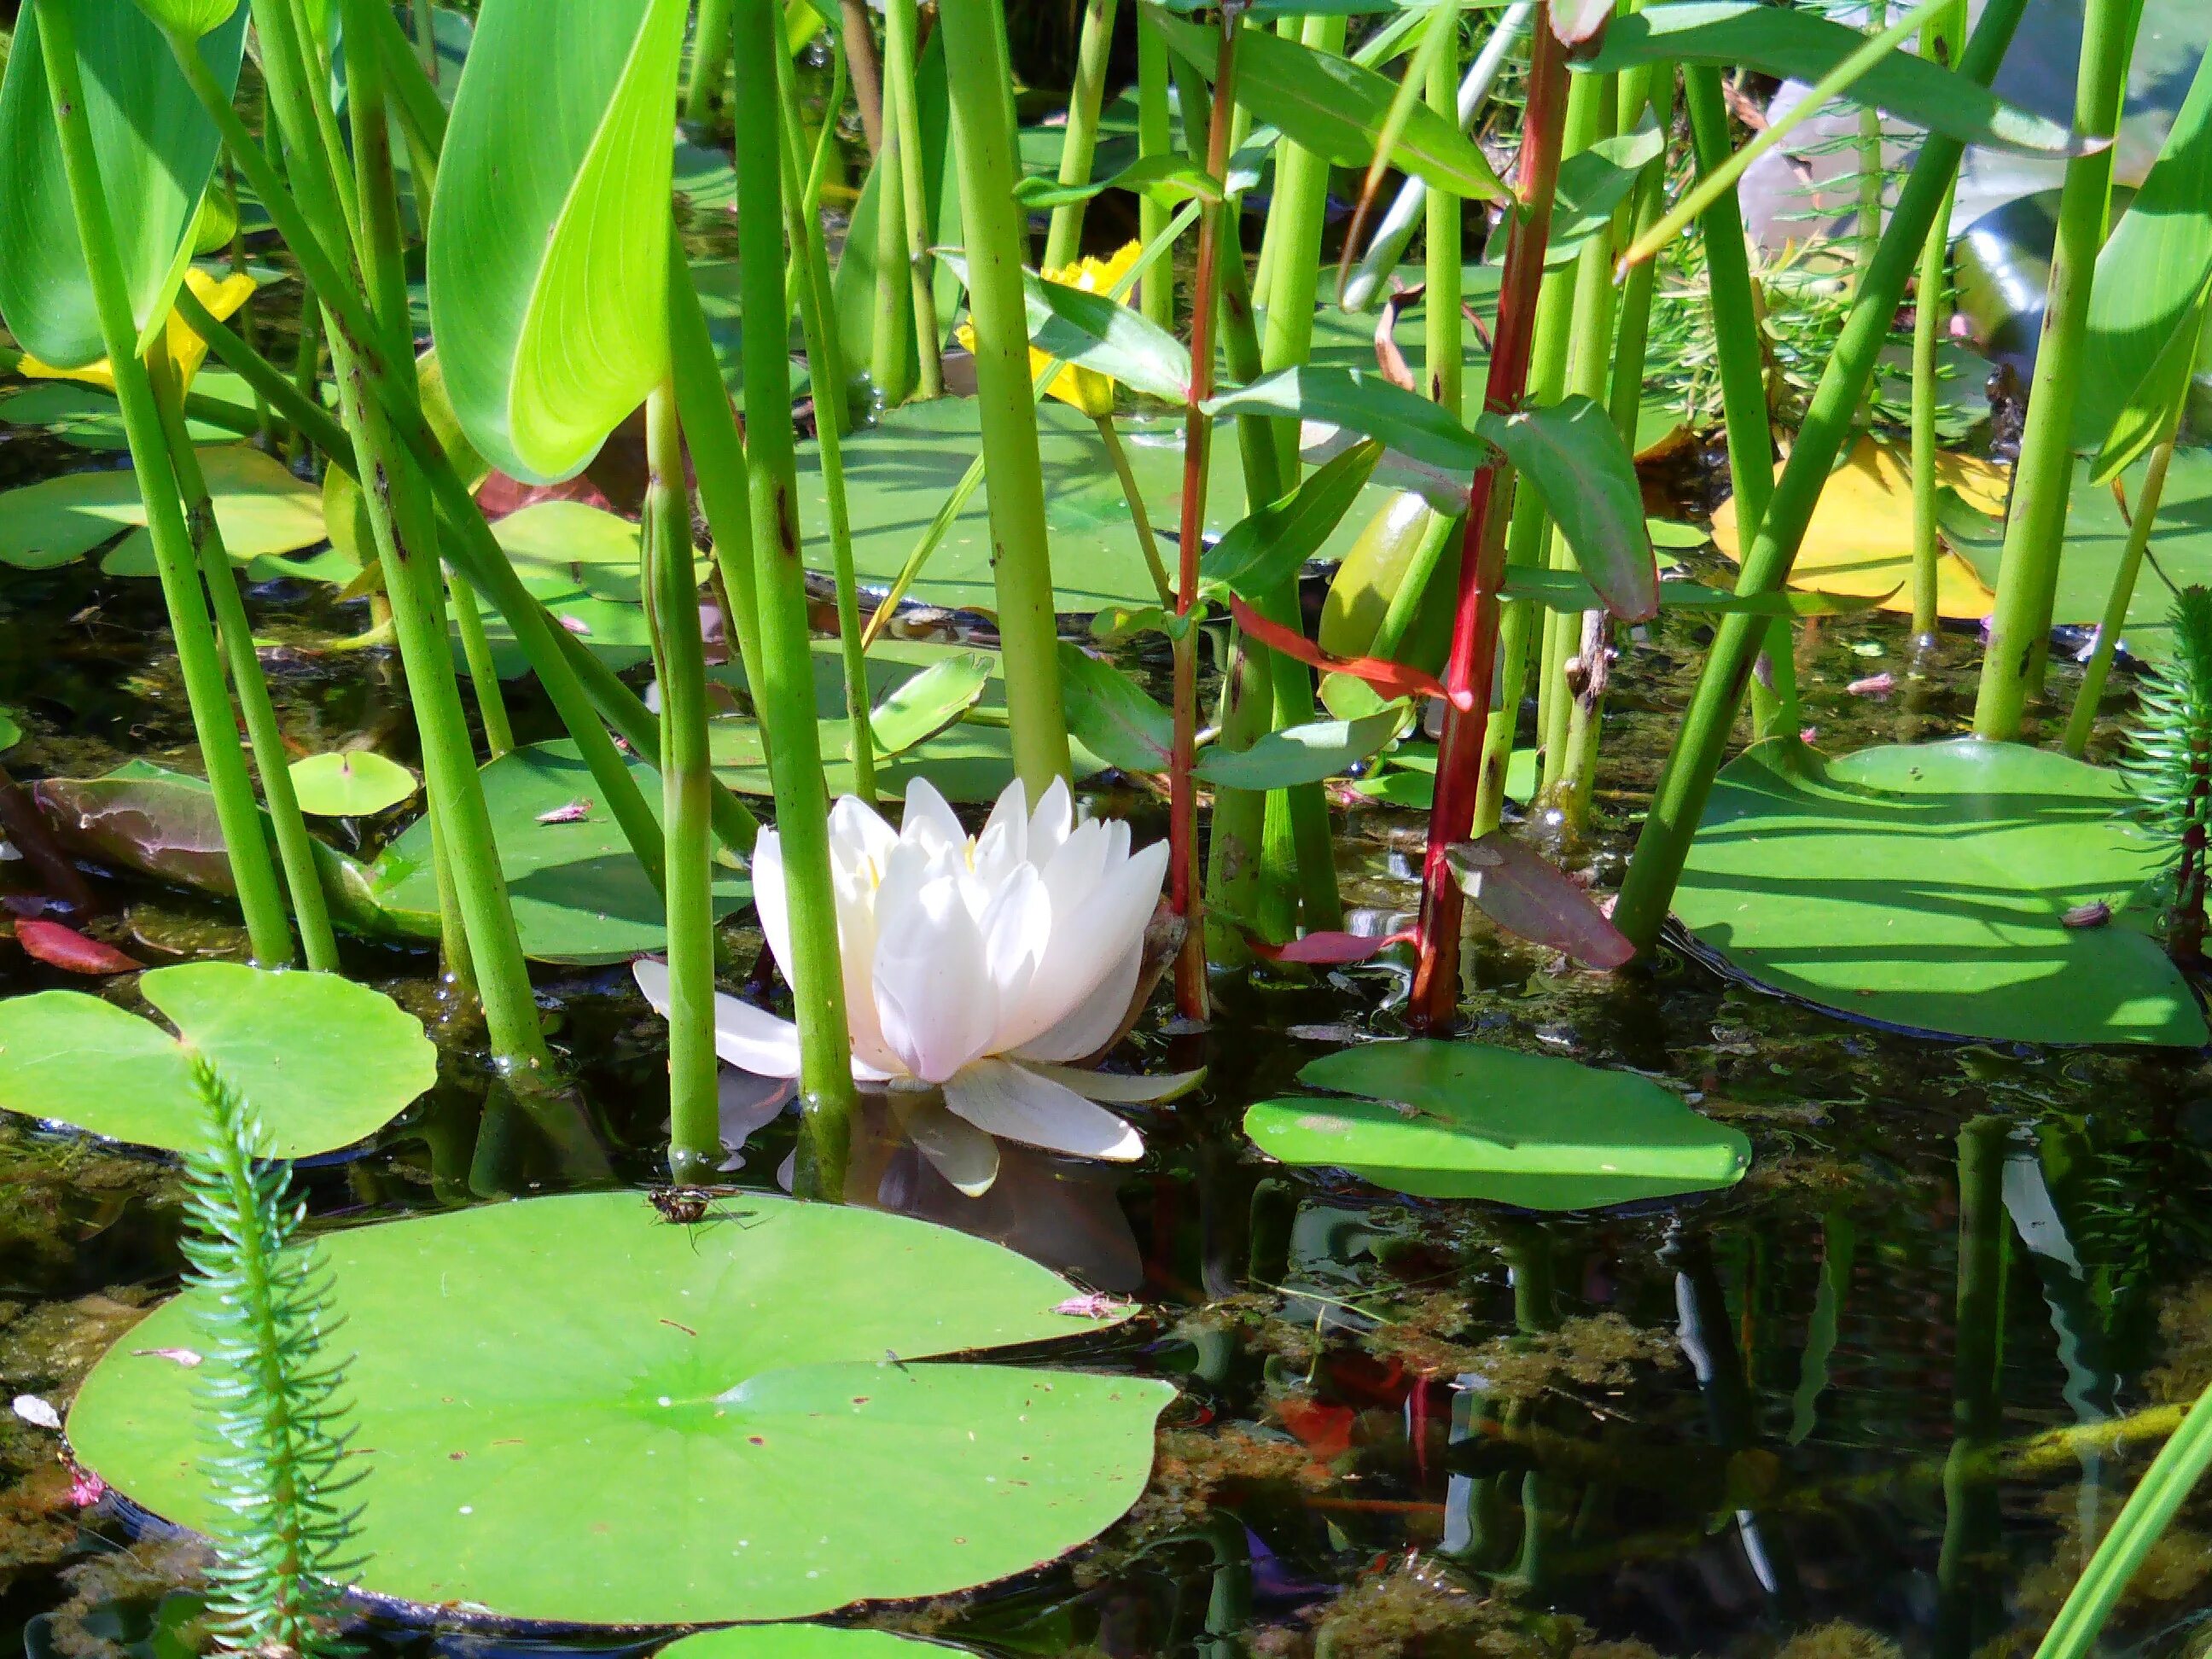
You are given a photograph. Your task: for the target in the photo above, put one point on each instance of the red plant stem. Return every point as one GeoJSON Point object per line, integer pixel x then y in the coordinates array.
{"type": "Point", "coordinates": [1198, 432]}
{"type": "Point", "coordinates": [1472, 665]}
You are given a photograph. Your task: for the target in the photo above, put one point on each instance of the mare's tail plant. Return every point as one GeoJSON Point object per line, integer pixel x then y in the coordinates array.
{"type": "Point", "coordinates": [2170, 761]}
{"type": "Point", "coordinates": [272, 1393]}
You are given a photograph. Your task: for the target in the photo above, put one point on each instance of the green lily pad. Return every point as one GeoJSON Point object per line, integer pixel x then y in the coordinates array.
{"type": "Point", "coordinates": [560, 548]}
{"type": "Point", "coordinates": [260, 507]}
{"type": "Point", "coordinates": [2179, 553]}
{"type": "Point", "coordinates": [801, 1642]}
{"type": "Point", "coordinates": [1465, 1119]}
{"type": "Point", "coordinates": [579, 895]}
{"type": "Point", "coordinates": [10, 732]}
{"type": "Point", "coordinates": [353, 783]}
{"type": "Point", "coordinates": [570, 1410]}
{"type": "Point", "coordinates": [1927, 886]}
{"type": "Point", "coordinates": [88, 416]}
{"type": "Point", "coordinates": [1408, 777]}
{"type": "Point", "coordinates": [324, 1061]}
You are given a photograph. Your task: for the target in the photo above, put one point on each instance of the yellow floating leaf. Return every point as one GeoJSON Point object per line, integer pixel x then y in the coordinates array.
{"type": "Point", "coordinates": [220, 295]}
{"type": "Point", "coordinates": [1860, 540]}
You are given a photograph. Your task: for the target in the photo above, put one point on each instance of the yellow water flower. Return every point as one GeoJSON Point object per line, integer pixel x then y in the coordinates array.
{"type": "Point", "coordinates": [220, 295]}
{"type": "Point", "coordinates": [1086, 388]}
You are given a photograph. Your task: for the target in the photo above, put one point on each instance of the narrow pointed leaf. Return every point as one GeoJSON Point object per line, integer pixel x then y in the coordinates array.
{"type": "Point", "coordinates": [1572, 453]}
{"type": "Point", "coordinates": [1093, 331]}
{"type": "Point", "coordinates": [1365, 402]}
{"type": "Point", "coordinates": [549, 237]}
{"type": "Point", "coordinates": [1595, 181]}
{"type": "Point", "coordinates": [156, 149]}
{"type": "Point", "coordinates": [1393, 679]}
{"type": "Point", "coordinates": [1265, 549]}
{"type": "Point", "coordinates": [1303, 754]}
{"type": "Point", "coordinates": [1112, 716]}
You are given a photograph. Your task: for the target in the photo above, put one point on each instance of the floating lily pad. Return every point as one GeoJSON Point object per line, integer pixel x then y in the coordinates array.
{"type": "Point", "coordinates": [570, 1410]}
{"type": "Point", "coordinates": [261, 507]}
{"type": "Point", "coordinates": [1927, 887]}
{"type": "Point", "coordinates": [324, 1061]}
{"type": "Point", "coordinates": [801, 1642]}
{"type": "Point", "coordinates": [1406, 776]}
{"type": "Point", "coordinates": [580, 894]}
{"type": "Point", "coordinates": [1465, 1119]}
{"type": "Point", "coordinates": [353, 783]}
{"type": "Point", "coordinates": [559, 548]}
{"type": "Point", "coordinates": [88, 417]}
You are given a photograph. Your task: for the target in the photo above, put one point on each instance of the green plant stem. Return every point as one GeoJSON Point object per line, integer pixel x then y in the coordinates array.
{"type": "Point", "coordinates": [1063, 237]}
{"type": "Point", "coordinates": [1869, 151]}
{"type": "Point", "coordinates": [483, 677]}
{"type": "Point", "coordinates": [1688, 776]}
{"type": "Point", "coordinates": [1139, 515]}
{"type": "Point", "coordinates": [710, 59]}
{"type": "Point", "coordinates": [891, 338]}
{"type": "Point", "coordinates": [1743, 372]}
{"type": "Point", "coordinates": [1972, 1523]}
{"type": "Point", "coordinates": [1939, 42]}
{"type": "Point", "coordinates": [671, 595]}
{"type": "Point", "coordinates": [816, 311]}
{"type": "Point", "coordinates": [299, 42]}
{"type": "Point", "coordinates": [903, 109]}
{"type": "Point", "coordinates": [977, 76]}
{"type": "Point", "coordinates": [2035, 526]}
{"type": "Point", "coordinates": [253, 872]}
{"type": "Point", "coordinates": [404, 527]}
{"type": "Point", "coordinates": [2083, 721]}
{"type": "Point", "coordinates": [783, 685]}
{"type": "Point", "coordinates": [235, 635]}
{"type": "Point", "coordinates": [1154, 137]}
{"type": "Point", "coordinates": [1444, 325]}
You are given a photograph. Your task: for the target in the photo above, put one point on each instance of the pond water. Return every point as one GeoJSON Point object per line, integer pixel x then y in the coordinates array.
{"type": "Point", "coordinates": [1876, 1394]}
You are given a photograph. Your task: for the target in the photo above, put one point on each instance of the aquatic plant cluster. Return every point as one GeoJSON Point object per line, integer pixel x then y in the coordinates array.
{"type": "Point", "coordinates": [880, 527]}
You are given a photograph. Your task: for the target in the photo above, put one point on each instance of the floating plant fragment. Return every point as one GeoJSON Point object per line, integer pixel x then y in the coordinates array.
{"type": "Point", "coordinates": [1465, 1120]}
{"type": "Point", "coordinates": [601, 1417]}
{"type": "Point", "coordinates": [1928, 887]}
{"type": "Point", "coordinates": [324, 1061]}
{"type": "Point", "coordinates": [350, 783]}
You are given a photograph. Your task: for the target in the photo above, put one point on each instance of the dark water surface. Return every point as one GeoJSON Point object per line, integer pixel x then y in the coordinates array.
{"type": "Point", "coordinates": [1879, 1393]}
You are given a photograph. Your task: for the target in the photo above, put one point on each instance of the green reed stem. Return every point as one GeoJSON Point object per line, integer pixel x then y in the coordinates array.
{"type": "Point", "coordinates": [816, 314]}
{"type": "Point", "coordinates": [977, 75]}
{"type": "Point", "coordinates": [252, 869]}
{"type": "Point", "coordinates": [404, 525]}
{"type": "Point", "coordinates": [2083, 721]}
{"type": "Point", "coordinates": [783, 687]}
{"type": "Point", "coordinates": [710, 59]}
{"type": "Point", "coordinates": [1444, 325]}
{"type": "Point", "coordinates": [902, 111]}
{"type": "Point", "coordinates": [1139, 515]}
{"type": "Point", "coordinates": [1688, 776]}
{"type": "Point", "coordinates": [1063, 237]}
{"type": "Point", "coordinates": [1155, 137]}
{"type": "Point", "coordinates": [890, 336]}
{"type": "Point", "coordinates": [2035, 528]}
{"type": "Point", "coordinates": [671, 598]}
{"type": "Point", "coordinates": [483, 676]}
{"type": "Point", "coordinates": [235, 635]}
{"type": "Point", "coordinates": [1869, 150]}
{"type": "Point", "coordinates": [1939, 42]}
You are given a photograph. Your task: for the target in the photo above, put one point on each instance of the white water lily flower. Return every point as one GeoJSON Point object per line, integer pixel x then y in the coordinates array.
{"type": "Point", "coordinates": [981, 965]}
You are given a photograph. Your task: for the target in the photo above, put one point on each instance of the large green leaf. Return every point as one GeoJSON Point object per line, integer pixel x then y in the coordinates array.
{"type": "Point", "coordinates": [549, 243]}
{"type": "Point", "coordinates": [1465, 1119]}
{"type": "Point", "coordinates": [1338, 109]}
{"type": "Point", "coordinates": [1572, 453]}
{"type": "Point", "coordinates": [323, 1061]}
{"type": "Point", "coordinates": [1264, 549]}
{"type": "Point", "coordinates": [194, 17]}
{"type": "Point", "coordinates": [1928, 887]}
{"type": "Point", "coordinates": [579, 893]}
{"type": "Point", "coordinates": [571, 1411]}
{"type": "Point", "coordinates": [261, 509]}
{"type": "Point", "coordinates": [1803, 45]}
{"type": "Point", "coordinates": [1112, 716]}
{"type": "Point", "coordinates": [156, 148]}
{"type": "Point", "coordinates": [2149, 291]}
{"type": "Point", "coordinates": [1294, 755]}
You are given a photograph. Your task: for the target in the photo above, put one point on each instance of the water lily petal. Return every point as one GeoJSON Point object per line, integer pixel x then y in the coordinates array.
{"type": "Point", "coordinates": [1004, 841]}
{"type": "Point", "coordinates": [1090, 1023]}
{"type": "Point", "coordinates": [857, 832]}
{"type": "Point", "coordinates": [769, 902]}
{"type": "Point", "coordinates": [1097, 951]}
{"type": "Point", "coordinates": [1017, 932]}
{"type": "Point", "coordinates": [933, 993]}
{"type": "Point", "coordinates": [1004, 1099]}
{"type": "Point", "coordinates": [929, 821]}
{"type": "Point", "coordinates": [956, 1148]}
{"type": "Point", "coordinates": [1121, 1087]}
{"type": "Point", "coordinates": [748, 1102]}
{"type": "Point", "coordinates": [751, 1039]}
{"type": "Point", "coordinates": [1051, 823]}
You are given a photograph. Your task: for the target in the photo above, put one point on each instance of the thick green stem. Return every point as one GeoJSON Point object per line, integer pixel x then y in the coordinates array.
{"type": "Point", "coordinates": [671, 596]}
{"type": "Point", "coordinates": [1445, 325]}
{"type": "Point", "coordinates": [2035, 529]}
{"type": "Point", "coordinates": [1688, 777]}
{"type": "Point", "coordinates": [815, 313]}
{"type": "Point", "coordinates": [902, 107]}
{"type": "Point", "coordinates": [253, 872]}
{"type": "Point", "coordinates": [710, 59]}
{"type": "Point", "coordinates": [404, 527]}
{"type": "Point", "coordinates": [1939, 42]}
{"type": "Point", "coordinates": [783, 680]}
{"type": "Point", "coordinates": [234, 633]}
{"type": "Point", "coordinates": [2115, 619]}
{"type": "Point", "coordinates": [890, 337]}
{"type": "Point", "coordinates": [977, 76]}
{"type": "Point", "coordinates": [1063, 237]}
{"type": "Point", "coordinates": [1155, 137]}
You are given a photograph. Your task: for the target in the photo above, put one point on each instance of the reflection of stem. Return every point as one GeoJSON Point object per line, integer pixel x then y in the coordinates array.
{"type": "Point", "coordinates": [1229, 1607]}
{"type": "Point", "coordinates": [1842, 1239]}
{"type": "Point", "coordinates": [1971, 1518]}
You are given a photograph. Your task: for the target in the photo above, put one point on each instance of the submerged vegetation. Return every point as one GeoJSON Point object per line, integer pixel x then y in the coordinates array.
{"type": "Point", "coordinates": [1135, 827]}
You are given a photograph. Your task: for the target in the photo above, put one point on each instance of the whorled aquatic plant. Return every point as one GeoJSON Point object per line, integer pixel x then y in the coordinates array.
{"type": "Point", "coordinates": [2170, 761]}
{"type": "Point", "coordinates": [272, 1393]}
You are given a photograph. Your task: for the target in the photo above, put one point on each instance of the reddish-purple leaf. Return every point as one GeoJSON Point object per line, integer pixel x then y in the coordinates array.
{"type": "Point", "coordinates": [1332, 950]}
{"type": "Point", "coordinates": [69, 950]}
{"type": "Point", "coordinates": [1393, 679]}
{"type": "Point", "coordinates": [1527, 896]}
